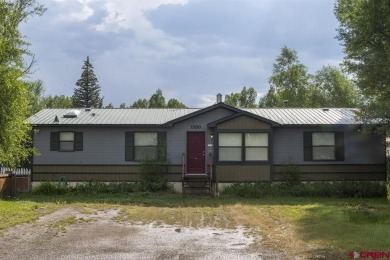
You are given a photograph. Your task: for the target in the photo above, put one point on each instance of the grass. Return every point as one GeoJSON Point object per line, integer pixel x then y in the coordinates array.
{"type": "Point", "coordinates": [305, 227]}
{"type": "Point", "coordinates": [13, 212]}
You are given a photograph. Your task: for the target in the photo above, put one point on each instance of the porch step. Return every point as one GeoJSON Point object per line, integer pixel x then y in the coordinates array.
{"type": "Point", "coordinates": [197, 186]}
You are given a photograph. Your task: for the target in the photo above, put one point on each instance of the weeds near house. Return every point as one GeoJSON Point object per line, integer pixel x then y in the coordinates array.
{"type": "Point", "coordinates": [344, 189]}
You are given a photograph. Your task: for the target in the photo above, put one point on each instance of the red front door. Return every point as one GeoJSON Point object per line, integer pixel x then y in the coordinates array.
{"type": "Point", "coordinates": [195, 152]}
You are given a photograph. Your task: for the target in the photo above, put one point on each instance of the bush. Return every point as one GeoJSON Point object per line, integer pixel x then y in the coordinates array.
{"type": "Point", "coordinates": [290, 173]}
{"type": "Point", "coordinates": [49, 188]}
{"type": "Point", "coordinates": [316, 189]}
{"type": "Point", "coordinates": [101, 187]}
{"type": "Point", "coordinates": [152, 176]}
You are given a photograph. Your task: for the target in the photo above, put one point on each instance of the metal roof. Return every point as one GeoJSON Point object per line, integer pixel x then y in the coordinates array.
{"type": "Point", "coordinates": [307, 116]}
{"type": "Point", "coordinates": [144, 117]}
{"type": "Point", "coordinates": [109, 116]}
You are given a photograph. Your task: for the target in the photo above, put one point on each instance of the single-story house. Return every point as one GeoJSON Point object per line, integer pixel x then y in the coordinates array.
{"type": "Point", "coordinates": [223, 142]}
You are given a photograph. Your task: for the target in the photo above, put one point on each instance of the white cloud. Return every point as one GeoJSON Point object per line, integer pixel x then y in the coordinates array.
{"type": "Point", "coordinates": [78, 16]}
{"type": "Point", "coordinates": [206, 100]}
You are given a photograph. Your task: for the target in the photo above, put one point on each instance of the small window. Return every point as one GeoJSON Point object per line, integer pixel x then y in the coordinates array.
{"type": "Point", "coordinates": [230, 146]}
{"type": "Point", "coordinates": [145, 145]}
{"type": "Point", "coordinates": [66, 141]}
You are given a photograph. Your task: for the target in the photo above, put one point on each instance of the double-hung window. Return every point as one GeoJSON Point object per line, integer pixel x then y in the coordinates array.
{"type": "Point", "coordinates": [66, 141]}
{"type": "Point", "coordinates": [256, 147]}
{"type": "Point", "coordinates": [243, 147]}
{"type": "Point", "coordinates": [324, 146]}
{"type": "Point", "coordinates": [145, 145]}
{"type": "Point", "coordinates": [140, 146]}
{"type": "Point", "coordinates": [230, 146]}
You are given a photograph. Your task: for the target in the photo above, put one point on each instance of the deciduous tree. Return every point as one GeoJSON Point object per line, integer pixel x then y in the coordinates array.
{"type": "Point", "coordinates": [289, 81]}
{"type": "Point", "coordinates": [60, 101]}
{"type": "Point", "coordinates": [174, 103]}
{"type": "Point", "coordinates": [157, 100]}
{"type": "Point", "coordinates": [244, 99]}
{"type": "Point", "coordinates": [140, 103]}
{"type": "Point", "coordinates": [364, 32]}
{"type": "Point", "coordinates": [14, 105]}
{"type": "Point", "coordinates": [330, 87]}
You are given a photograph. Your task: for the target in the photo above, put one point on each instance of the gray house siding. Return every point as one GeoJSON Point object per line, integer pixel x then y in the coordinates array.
{"type": "Point", "coordinates": [101, 145]}
{"type": "Point", "coordinates": [288, 146]}
{"type": "Point", "coordinates": [363, 156]}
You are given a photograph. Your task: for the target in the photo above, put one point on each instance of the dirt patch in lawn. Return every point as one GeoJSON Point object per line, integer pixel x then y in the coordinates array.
{"type": "Point", "coordinates": [86, 233]}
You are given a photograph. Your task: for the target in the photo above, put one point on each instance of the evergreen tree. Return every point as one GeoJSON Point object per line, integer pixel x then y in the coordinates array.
{"type": "Point", "coordinates": [87, 92]}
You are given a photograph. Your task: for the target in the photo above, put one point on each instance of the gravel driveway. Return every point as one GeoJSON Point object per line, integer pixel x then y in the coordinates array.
{"type": "Point", "coordinates": [73, 233]}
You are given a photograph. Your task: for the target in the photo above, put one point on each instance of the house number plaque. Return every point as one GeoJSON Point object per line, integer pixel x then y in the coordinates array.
{"type": "Point", "coordinates": [196, 126]}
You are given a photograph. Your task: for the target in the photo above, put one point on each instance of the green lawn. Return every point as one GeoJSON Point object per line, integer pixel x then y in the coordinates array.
{"type": "Point", "coordinates": [303, 227]}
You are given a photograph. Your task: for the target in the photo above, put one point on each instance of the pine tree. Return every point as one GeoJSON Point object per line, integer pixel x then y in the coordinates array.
{"type": "Point", "coordinates": [87, 92]}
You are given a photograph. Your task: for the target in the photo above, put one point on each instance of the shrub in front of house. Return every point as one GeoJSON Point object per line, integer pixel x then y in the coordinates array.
{"type": "Point", "coordinates": [50, 188]}
{"type": "Point", "coordinates": [152, 174]}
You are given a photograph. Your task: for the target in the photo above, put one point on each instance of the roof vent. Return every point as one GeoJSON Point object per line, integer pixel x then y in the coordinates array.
{"type": "Point", "coordinates": [325, 109]}
{"type": "Point", "coordinates": [87, 109]}
{"type": "Point", "coordinates": [56, 120]}
{"type": "Point", "coordinates": [72, 113]}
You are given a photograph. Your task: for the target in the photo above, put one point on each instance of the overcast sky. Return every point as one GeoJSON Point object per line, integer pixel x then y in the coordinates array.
{"type": "Point", "coordinates": [191, 49]}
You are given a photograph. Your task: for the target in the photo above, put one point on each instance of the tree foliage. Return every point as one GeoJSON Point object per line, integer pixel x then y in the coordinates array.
{"type": "Point", "coordinates": [60, 101]}
{"type": "Point", "coordinates": [365, 34]}
{"type": "Point", "coordinates": [330, 87]}
{"type": "Point", "coordinates": [140, 103]}
{"type": "Point", "coordinates": [157, 100]}
{"type": "Point", "coordinates": [244, 99]}
{"type": "Point", "coordinates": [35, 91]}
{"type": "Point", "coordinates": [289, 81]}
{"type": "Point", "coordinates": [14, 106]}
{"type": "Point", "coordinates": [291, 85]}
{"type": "Point", "coordinates": [87, 91]}
{"type": "Point", "coordinates": [174, 103]}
